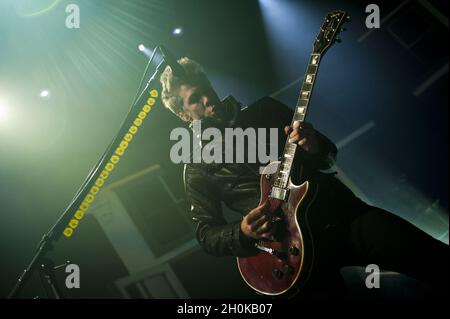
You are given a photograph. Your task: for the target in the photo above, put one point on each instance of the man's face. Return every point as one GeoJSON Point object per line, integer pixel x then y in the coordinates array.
{"type": "Point", "coordinates": [201, 103]}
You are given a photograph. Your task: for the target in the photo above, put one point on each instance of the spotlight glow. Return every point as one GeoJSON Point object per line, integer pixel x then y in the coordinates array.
{"type": "Point", "coordinates": [177, 31]}
{"type": "Point", "coordinates": [4, 111]}
{"type": "Point", "coordinates": [45, 93]}
{"type": "Point", "coordinates": [141, 47]}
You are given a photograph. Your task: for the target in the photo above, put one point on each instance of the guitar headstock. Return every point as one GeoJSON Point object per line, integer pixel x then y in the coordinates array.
{"type": "Point", "coordinates": [331, 27]}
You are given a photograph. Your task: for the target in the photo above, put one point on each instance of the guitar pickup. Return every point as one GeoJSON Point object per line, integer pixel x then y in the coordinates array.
{"type": "Point", "coordinates": [279, 193]}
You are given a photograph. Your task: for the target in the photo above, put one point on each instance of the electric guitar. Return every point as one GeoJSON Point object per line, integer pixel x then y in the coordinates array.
{"type": "Point", "coordinates": [286, 263]}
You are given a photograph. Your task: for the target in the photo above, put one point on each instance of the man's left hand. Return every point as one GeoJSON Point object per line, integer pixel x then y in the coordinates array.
{"type": "Point", "coordinates": [304, 135]}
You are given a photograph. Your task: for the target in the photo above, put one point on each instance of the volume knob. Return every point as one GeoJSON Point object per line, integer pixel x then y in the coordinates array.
{"type": "Point", "coordinates": [288, 269]}
{"type": "Point", "coordinates": [277, 273]}
{"type": "Point", "coordinates": [294, 251]}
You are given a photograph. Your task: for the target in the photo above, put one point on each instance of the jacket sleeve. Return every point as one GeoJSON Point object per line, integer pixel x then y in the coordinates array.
{"type": "Point", "coordinates": [214, 235]}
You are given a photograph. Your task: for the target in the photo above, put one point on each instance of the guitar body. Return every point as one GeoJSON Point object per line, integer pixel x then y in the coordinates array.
{"type": "Point", "coordinates": [274, 275]}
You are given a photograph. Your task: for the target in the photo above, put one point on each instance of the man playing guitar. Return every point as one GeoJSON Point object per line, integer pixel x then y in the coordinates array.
{"type": "Point", "coordinates": [325, 225]}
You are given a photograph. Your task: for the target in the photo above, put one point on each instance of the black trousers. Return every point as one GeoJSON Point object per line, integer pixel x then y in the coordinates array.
{"type": "Point", "coordinates": [350, 232]}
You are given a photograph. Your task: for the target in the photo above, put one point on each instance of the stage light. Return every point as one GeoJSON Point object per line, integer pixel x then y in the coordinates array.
{"type": "Point", "coordinates": [44, 93]}
{"type": "Point", "coordinates": [177, 31]}
{"type": "Point", "coordinates": [145, 50]}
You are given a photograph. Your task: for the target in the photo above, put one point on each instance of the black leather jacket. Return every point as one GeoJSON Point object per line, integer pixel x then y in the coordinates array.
{"type": "Point", "coordinates": [237, 186]}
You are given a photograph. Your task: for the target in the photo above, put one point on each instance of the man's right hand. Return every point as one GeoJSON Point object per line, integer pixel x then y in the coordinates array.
{"type": "Point", "coordinates": [257, 223]}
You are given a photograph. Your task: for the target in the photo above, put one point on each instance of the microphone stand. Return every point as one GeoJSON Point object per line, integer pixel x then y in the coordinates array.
{"type": "Point", "coordinates": [46, 266]}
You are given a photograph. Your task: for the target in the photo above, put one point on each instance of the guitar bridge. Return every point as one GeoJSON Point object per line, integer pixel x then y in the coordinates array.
{"type": "Point", "coordinates": [279, 254]}
{"type": "Point", "coordinates": [279, 193]}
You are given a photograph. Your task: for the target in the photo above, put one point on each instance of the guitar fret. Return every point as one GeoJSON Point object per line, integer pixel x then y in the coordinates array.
{"type": "Point", "coordinates": [299, 117]}
{"type": "Point", "coordinates": [290, 147]}
{"type": "Point", "coordinates": [306, 87]}
{"type": "Point", "coordinates": [302, 103]}
{"type": "Point", "coordinates": [285, 165]}
{"type": "Point", "coordinates": [312, 69]}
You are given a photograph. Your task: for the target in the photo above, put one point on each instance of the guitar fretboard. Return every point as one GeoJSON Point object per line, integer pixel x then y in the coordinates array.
{"type": "Point", "coordinates": [301, 108]}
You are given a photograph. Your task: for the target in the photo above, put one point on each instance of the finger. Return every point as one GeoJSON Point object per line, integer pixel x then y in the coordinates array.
{"type": "Point", "coordinates": [294, 133]}
{"type": "Point", "coordinates": [295, 138]}
{"type": "Point", "coordinates": [287, 129]}
{"type": "Point", "coordinates": [268, 235]}
{"type": "Point", "coordinates": [256, 213]}
{"type": "Point", "coordinates": [258, 223]}
{"type": "Point", "coordinates": [302, 141]}
{"type": "Point", "coordinates": [265, 206]}
{"type": "Point", "coordinates": [296, 124]}
{"type": "Point", "coordinates": [266, 227]}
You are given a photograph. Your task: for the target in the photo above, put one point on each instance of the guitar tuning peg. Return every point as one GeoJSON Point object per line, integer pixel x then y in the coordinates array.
{"type": "Point", "coordinates": [338, 40]}
{"type": "Point", "coordinates": [347, 18]}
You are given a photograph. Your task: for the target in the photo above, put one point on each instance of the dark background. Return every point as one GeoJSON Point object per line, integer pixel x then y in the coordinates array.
{"type": "Point", "coordinates": [381, 95]}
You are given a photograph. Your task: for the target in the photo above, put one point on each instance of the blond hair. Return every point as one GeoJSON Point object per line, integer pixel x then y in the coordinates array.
{"type": "Point", "coordinates": [194, 75]}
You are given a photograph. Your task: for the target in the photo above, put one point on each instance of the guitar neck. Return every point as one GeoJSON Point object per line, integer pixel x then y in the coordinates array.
{"type": "Point", "coordinates": [307, 86]}
{"type": "Point", "coordinates": [284, 170]}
